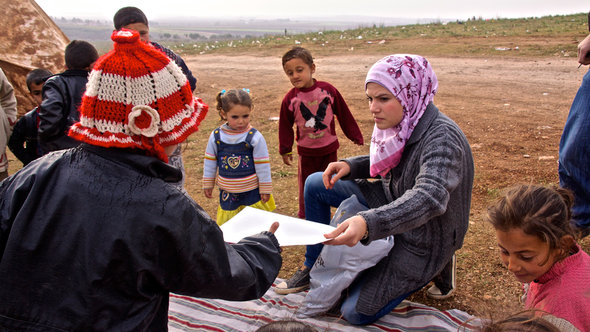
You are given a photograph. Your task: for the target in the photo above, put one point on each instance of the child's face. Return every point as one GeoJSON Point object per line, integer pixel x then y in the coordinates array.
{"type": "Point", "coordinates": [35, 91]}
{"type": "Point", "coordinates": [144, 30]}
{"type": "Point", "coordinates": [386, 109]}
{"type": "Point", "coordinates": [238, 117]}
{"type": "Point", "coordinates": [299, 73]}
{"type": "Point", "coordinates": [527, 256]}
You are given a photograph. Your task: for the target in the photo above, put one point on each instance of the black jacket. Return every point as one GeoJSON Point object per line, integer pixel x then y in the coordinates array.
{"type": "Point", "coordinates": [94, 239]}
{"type": "Point", "coordinates": [23, 141]}
{"type": "Point", "coordinates": [62, 95]}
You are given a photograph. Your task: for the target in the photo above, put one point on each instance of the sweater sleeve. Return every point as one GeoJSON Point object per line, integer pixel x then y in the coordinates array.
{"type": "Point", "coordinates": [346, 120]}
{"type": "Point", "coordinates": [262, 163]}
{"type": "Point", "coordinates": [286, 121]}
{"type": "Point", "coordinates": [210, 163]}
{"type": "Point", "coordinates": [439, 174]}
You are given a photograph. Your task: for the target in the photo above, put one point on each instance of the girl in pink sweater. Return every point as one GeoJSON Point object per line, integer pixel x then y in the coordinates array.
{"type": "Point", "coordinates": [537, 244]}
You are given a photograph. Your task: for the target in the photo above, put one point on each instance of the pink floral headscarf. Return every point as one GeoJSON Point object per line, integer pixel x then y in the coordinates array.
{"type": "Point", "coordinates": [412, 81]}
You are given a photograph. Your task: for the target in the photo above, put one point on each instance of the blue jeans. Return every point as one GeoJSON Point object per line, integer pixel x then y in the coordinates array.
{"type": "Point", "coordinates": [348, 308]}
{"type": "Point", "coordinates": [319, 200]}
{"type": "Point", "coordinates": [574, 155]}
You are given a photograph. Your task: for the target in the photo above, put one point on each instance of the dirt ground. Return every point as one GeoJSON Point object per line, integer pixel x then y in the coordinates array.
{"type": "Point", "coordinates": [512, 111]}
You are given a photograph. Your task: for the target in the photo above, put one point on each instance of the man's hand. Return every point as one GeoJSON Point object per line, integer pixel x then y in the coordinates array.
{"type": "Point", "coordinates": [274, 227]}
{"type": "Point", "coordinates": [584, 51]}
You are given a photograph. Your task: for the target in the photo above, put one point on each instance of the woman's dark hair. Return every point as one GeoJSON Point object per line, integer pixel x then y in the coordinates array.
{"type": "Point", "coordinates": [539, 211]}
{"type": "Point", "coordinates": [298, 52]}
{"type": "Point", "coordinates": [227, 99]}
{"type": "Point", "coordinates": [286, 326]}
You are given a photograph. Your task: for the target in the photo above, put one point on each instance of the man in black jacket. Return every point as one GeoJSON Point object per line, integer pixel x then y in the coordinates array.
{"type": "Point", "coordinates": [95, 238]}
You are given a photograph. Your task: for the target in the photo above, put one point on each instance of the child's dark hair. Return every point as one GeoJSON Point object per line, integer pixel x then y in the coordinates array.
{"type": "Point", "coordinates": [129, 15]}
{"type": "Point", "coordinates": [37, 76]}
{"type": "Point", "coordinates": [524, 321]}
{"type": "Point", "coordinates": [286, 326]}
{"type": "Point", "coordinates": [539, 211]}
{"type": "Point", "coordinates": [227, 99]}
{"type": "Point", "coordinates": [298, 52]}
{"type": "Point", "coordinates": [80, 54]}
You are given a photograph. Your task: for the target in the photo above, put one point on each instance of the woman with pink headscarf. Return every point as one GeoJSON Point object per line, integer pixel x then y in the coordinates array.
{"type": "Point", "coordinates": [421, 172]}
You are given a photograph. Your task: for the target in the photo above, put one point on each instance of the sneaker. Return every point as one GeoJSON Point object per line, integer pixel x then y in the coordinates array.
{"type": "Point", "coordinates": [297, 283]}
{"type": "Point", "coordinates": [435, 293]}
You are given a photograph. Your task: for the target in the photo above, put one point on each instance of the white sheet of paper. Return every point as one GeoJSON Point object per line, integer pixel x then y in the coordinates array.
{"type": "Point", "coordinates": [291, 232]}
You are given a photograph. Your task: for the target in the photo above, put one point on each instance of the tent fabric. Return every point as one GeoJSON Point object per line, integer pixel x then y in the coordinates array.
{"type": "Point", "coordinates": [29, 39]}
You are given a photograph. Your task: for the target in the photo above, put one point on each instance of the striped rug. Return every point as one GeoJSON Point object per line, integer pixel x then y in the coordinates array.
{"type": "Point", "coordinates": [196, 314]}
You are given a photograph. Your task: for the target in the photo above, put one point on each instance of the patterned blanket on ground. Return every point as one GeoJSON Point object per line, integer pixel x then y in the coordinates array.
{"type": "Point", "coordinates": [196, 314]}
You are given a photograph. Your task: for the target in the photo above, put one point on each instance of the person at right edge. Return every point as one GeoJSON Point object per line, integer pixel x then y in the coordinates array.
{"type": "Point", "coordinates": [574, 147]}
{"type": "Point", "coordinates": [416, 182]}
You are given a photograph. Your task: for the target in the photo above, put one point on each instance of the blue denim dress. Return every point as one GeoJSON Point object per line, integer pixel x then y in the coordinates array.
{"type": "Point", "coordinates": [236, 161]}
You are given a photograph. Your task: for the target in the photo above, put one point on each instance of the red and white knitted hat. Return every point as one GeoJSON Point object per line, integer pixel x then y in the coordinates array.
{"type": "Point", "coordinates": [136, 97]}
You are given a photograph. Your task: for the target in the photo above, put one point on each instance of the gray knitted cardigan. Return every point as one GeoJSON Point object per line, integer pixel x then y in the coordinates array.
{"type": "Point", "coordinates": [424, 202]}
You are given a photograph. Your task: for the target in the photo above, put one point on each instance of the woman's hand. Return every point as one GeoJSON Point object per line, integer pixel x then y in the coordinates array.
{"type": "Point", "coordinates": [287, 158]}
{"type": "Point", "coordinates": [208, 192]}
{"type": "Point", "coordinates": [334, 172]}
{"type": "Point", "coordinates": [584, 51]}
{"type": "Point", "coordinates": [264, 197]}
{"type": "Point", "coordinates": [349, 232]}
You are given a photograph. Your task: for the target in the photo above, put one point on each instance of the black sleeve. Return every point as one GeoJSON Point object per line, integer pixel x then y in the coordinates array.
{"type": "Point", "coordinates": [16, 142]}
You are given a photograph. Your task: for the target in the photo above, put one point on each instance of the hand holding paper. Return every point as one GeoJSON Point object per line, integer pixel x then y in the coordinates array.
{"type": "Point", "coordinates": [292, 231]}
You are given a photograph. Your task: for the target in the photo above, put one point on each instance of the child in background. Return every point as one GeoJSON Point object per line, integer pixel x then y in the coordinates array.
{"type": "Point", "coordinates": [133, 18]}
{"type": "Point", "coordinates": [240, 154]}
{"type": "Point", "coordinates": [23, 141]}
{"type": "Point", "coordinates": [537, 244]}
{"type": "Point", "coordinates": [62, 95]}
{"type": "Point", "coordinates": [312, 106]}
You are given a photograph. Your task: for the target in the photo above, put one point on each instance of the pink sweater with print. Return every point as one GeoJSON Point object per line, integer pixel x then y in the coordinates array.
{"type": "Point", "coordinates": [314, 110]}
{"type": "Point", "coordinates": [564, 291]}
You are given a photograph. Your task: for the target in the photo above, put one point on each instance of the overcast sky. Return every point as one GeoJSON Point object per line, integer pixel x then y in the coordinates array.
{"type": "Point", "coordinates": [453, 9]}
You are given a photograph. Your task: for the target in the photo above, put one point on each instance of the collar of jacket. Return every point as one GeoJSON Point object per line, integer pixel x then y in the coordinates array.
{"type": "Point", "coordinates": [425, 121]}
{"type": "Point", "coordinates": [75, 72]}
{"type": "Point", "coordinates": [147, 165]}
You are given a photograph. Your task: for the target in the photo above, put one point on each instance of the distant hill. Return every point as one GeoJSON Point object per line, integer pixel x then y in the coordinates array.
{"type": "Point", "coordinates": [209, 29]}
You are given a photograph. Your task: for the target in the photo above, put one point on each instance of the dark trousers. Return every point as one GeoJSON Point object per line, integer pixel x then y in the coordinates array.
{"type": "Point", "coordinates": [307, 166]}
{"type": "Point", "coordinates": [444, 280]}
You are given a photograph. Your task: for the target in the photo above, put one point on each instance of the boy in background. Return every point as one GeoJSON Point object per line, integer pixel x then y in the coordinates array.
{"type": "Point", "coordinates": [133, 18]}
{"type": "Point", "coordinates": [312, 106]}
{"type": "Point", "coordinates": [7, 120]}
{"type": "Point", "coordinates": [62, 95]}
{"type": "Point", "coordinates": [23, 141]}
